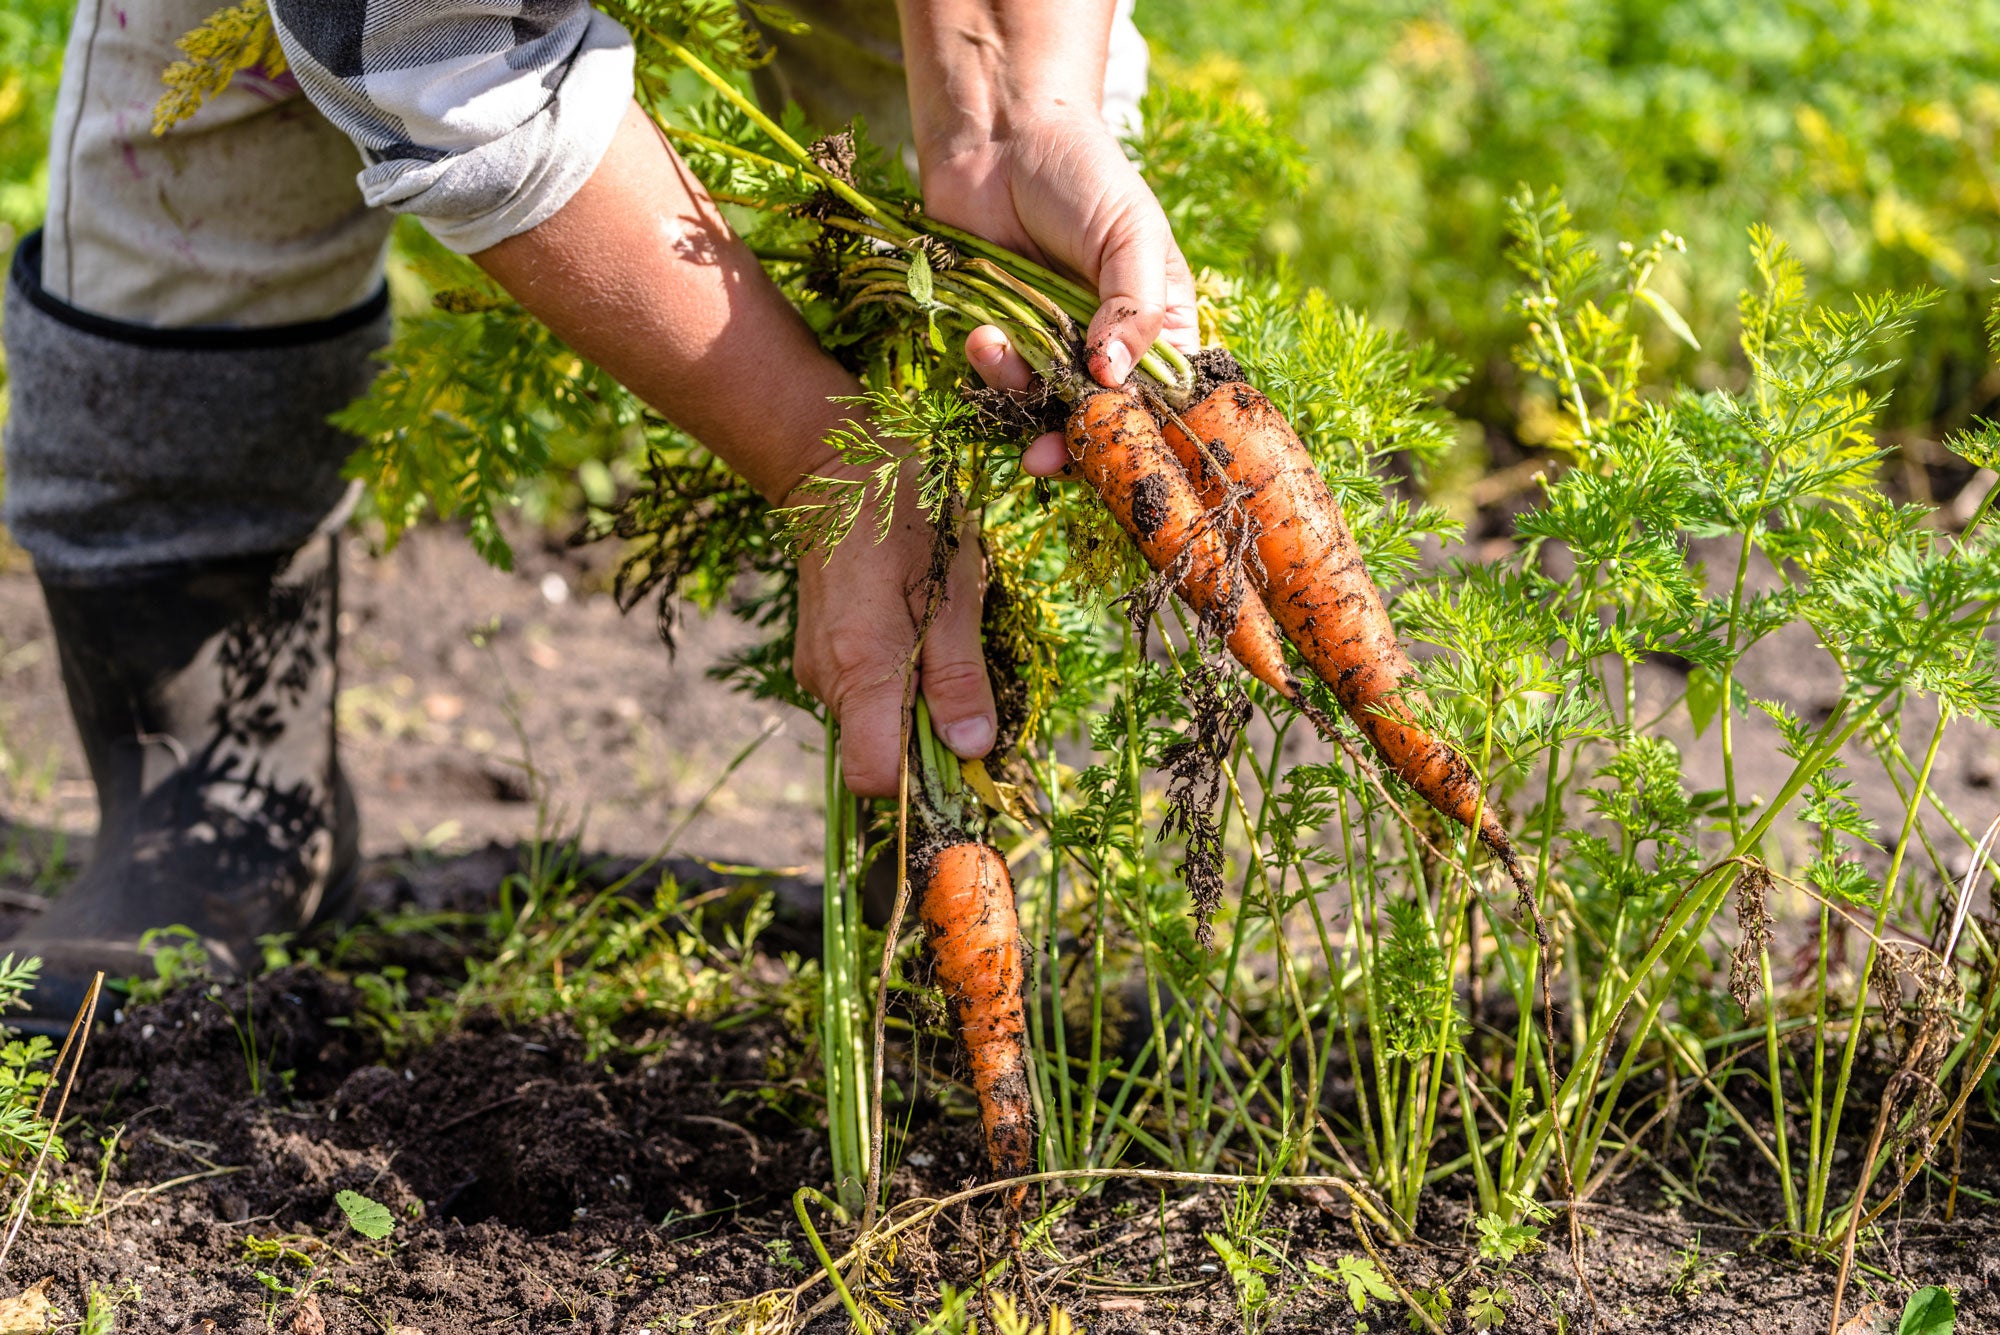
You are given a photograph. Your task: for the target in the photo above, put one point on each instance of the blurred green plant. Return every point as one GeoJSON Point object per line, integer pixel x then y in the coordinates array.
{"type": "Point", "coordinates": [31, 48]}
{"type": "Point", "coordinates": [1864, 134]}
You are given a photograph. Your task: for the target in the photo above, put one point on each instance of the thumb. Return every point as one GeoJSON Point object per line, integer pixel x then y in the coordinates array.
{"type": "Point", "coordinates": [953, 665]}
{"type": "Point", "coordinates": [1131, 285]}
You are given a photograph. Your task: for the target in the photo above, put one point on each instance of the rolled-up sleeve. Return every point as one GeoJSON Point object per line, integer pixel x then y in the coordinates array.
{"type": "Point", "coordinates": [482, 119]}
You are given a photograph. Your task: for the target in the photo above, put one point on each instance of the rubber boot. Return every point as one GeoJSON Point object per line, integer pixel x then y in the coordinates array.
{"type": "Point", "coordinates": [204, 696]}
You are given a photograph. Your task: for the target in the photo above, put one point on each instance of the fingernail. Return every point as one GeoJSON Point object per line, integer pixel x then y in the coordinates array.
{"type": "Point", "coordinates": [1118, 360]}
{"type": "Point", "coordinates": [969, 736]}
{"type": "Point", "coordinates": [989, 354]}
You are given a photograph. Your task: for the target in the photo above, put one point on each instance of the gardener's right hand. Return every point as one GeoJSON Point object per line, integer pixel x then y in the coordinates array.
{"type": "Point", "coordinates": [859, 609]}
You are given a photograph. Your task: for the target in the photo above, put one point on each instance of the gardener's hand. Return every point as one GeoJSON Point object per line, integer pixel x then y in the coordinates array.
{"type": "Point", "coordinates": [859, 609]}
{"type": "Point", "coordinates": [1005, 101]}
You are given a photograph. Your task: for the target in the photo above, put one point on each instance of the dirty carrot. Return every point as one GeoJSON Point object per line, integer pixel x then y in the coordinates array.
{"type": "Point", "coordinates": [967, 907]}
{"type": "Point", "coordinates": [1310, 573]}
{"type": "Point", "coordinates": [1117, 446]}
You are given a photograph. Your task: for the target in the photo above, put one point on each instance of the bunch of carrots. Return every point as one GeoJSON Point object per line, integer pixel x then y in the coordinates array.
{"type": "Point", "coordinates": [1221, 498]}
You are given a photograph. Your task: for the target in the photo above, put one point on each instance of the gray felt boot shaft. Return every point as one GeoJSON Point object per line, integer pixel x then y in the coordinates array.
{"type": "Point", "coordinates": [129, 447]}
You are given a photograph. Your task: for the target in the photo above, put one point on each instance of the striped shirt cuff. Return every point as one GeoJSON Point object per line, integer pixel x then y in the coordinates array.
{"type": "Point", "coordinates": [480, 122]}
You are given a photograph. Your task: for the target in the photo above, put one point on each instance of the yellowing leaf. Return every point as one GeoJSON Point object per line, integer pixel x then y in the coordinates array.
{"type": "Point", "coordinates": [232, 39]}
{"type": "Point", "coordinates": [1002, 797]}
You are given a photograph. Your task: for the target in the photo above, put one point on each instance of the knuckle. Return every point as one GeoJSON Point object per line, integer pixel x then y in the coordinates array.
{"type": "Point", "coordinates": [955, 677]}
{"type": "Point", "coordinates": [863, 771]}
{"type": "Point", "coordinates": [853, 660]}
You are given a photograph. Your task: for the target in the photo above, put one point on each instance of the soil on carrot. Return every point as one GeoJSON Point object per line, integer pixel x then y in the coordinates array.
{"type": "Point", "coordinates": [534, 1189]}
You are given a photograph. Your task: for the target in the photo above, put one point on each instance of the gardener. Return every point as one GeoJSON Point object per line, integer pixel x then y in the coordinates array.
{"type": "Point", "coordinates": [197, 304]}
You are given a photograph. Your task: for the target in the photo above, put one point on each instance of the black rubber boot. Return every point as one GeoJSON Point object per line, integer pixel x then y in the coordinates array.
{"type": "Point", "coordinates": [204, 696]}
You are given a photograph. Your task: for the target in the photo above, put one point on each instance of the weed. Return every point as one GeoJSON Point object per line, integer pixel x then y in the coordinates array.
{"type": "Point", "coordinates": [1249, 1271]}
{"type": "Point", "coordinates": [782, 1254]}
{"type": "Point", "coordinates": [101, 1307]}
{"type": "Point", "coordinates": [1694, 1272]}
{"type": "Point", "coordinates": [1359, 1278]}
{"type": "Point", "coordinates": [371, 1219]}
{"type": "Point", "coordinates": [26, 1135]}
{"type": "Point", "coordinates": [1486, 1307]}
{"type": "Point", "coordinates": [1930, 1311]}
{"type": "Point", "coordinates": [179, 959]}
{"type": "Point", "coordinates": [1433, 1307]}
{"type": "Point", "coordinates": [1501, 1242]}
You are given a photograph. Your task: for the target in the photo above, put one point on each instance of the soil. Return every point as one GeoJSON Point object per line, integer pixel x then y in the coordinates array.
{"type": "Point", "coordinates": [437, 650]}
{"type": "Point", "coordinates": [535, 1189]}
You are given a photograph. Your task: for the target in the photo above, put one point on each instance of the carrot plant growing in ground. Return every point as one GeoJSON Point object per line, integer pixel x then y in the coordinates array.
{"type": "Point", "coordinates": [1235, 902]}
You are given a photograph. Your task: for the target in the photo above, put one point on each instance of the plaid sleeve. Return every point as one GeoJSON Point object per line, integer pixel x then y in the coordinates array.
{"type": "Point", "coordinates": [482, 117]}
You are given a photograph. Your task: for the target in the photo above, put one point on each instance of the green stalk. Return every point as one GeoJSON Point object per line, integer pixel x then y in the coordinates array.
{"type": "Point", "coordinates": [1453, 910]}
{"type": "Point", "coordinates": [831, 1271]}
{"type": "Point", "coordinates": [1362, 1094]}
{"type": "Point", "coordinates": [1815, 1176]}
{"type": "Point", "coordinates": [1065, 1085]}
{"type": "Point", "coordinates": [1142, 904]}
{"type": "Point", "coordinates": [1777, 1083]}
{"type": "Point", "coordinates": [1832, 735]}
{"type": "Point", "coordinates": [843, 1056]}
{"type": "Point", "coordinates": [1854, 1026]}
{"type": "Point", "coordinates": [1095, 1076]}
{"type": "Point", "coordinates": [859, 202]}
{"type": "Point", "coordinates": [1482, 1173]}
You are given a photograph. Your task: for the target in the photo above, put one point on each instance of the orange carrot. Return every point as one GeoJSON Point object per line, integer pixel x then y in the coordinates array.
{"type": "Point", "coordinates": [1316, 587]}
{"type": "Point", "coordinates": [967, 908]}
{"type": "Point", "coordinates": [1118, 447]}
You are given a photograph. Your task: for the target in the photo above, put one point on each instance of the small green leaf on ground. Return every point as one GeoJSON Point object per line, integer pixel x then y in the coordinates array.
{"type": "Point", "coordinates": [1360, 1278]}
{"type": "Point", "coordinates": [1487, 1308]}
{"type": "Point", "coordinates": [1930, 1311]}
{"type": "Point", "coordinates": [1501, 1241]}
{"type": "Point", "coordinates": [371, 1219]}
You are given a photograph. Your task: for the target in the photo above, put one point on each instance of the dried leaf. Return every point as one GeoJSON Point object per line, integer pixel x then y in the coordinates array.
{"type": "Point", "coordinates": [308, 1319]}
{"type": "Point", "coordinates": [1002, 797]}
{"type": "Point", "coordinates": [1753, 926]}
{"type": "Point", "coordinates": [27, 1310]}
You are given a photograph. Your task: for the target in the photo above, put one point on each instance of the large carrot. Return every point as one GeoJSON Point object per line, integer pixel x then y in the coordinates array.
{"type": "Point", "coordinates": [967, 908]}
{"type": "Point", "coordinates": [1117, 446]}
{"type": "Point", "coordinates": [1316, 587]}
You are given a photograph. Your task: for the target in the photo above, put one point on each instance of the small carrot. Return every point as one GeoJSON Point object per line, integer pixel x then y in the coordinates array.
{"type": "Point", "coordinates": [967, 907]}
{"type": "Point", "coordinates": [1117, 446]}
{"type": "Point", "coordinates": [1316, 587]}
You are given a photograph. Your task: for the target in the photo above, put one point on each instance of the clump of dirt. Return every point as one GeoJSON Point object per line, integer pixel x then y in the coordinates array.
{"type": "Point", "coordinates": [1213, 367]}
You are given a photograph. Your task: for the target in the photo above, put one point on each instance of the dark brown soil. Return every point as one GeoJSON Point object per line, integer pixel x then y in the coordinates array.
{"type": "Point", "coordinates": [534, 1190]}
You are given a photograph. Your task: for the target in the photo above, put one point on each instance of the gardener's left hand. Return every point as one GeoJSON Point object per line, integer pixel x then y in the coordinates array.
{"type": "Point", "coordinates": [1012, 146]}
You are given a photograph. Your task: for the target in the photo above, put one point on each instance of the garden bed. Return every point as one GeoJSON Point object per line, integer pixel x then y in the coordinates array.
{"type": "Point", "coordinates": [534, 1189]}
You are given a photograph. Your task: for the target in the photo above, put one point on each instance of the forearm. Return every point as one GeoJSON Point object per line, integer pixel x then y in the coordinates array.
{"type": "Point", "coordinates": [640, 273]}
{"type": "Point", "coordinates": [978, 67]}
